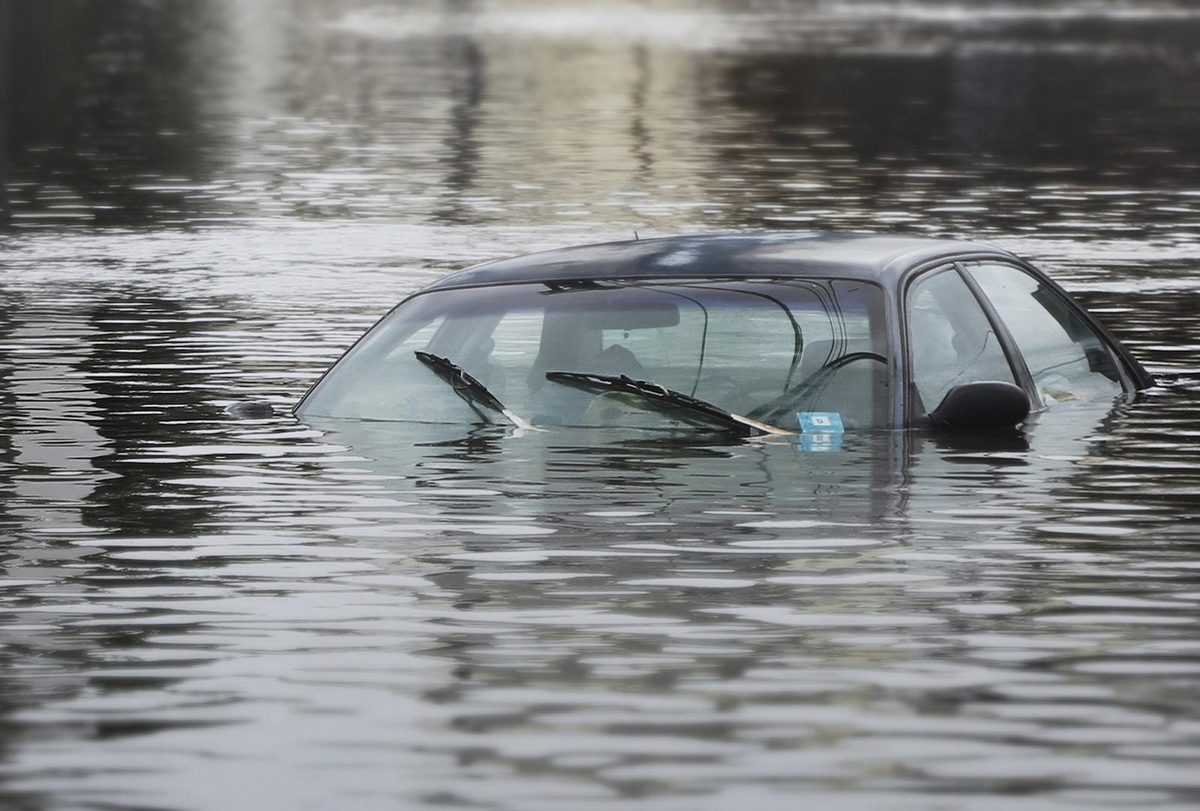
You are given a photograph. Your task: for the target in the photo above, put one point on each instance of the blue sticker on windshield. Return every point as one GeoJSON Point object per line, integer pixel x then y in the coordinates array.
{"type": "Point", "coordinates": [820, 422]}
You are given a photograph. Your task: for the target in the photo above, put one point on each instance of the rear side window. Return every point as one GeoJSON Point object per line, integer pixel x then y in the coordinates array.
{"type": "Point", "coordinates": [951, 341]}
{"type": "Point", "coordinates": [1065, 356]}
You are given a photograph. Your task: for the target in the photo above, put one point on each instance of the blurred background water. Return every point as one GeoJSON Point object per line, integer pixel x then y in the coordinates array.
{"type": "Point", "coordinates": [208, 200]}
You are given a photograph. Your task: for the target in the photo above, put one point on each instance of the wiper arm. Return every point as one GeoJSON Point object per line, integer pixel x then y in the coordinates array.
{"type": "Point", "coordinates": [468, 388]}
{"type": "Point", "coordinates": [663, 399]}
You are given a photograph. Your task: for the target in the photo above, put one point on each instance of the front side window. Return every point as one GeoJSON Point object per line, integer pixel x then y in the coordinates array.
{"type": "Point", "coordinates": [765, 349]}
{"type": "Point", "coordinates": [1066, 358]}
{"type": "Point", "coordinates": [951, 341]}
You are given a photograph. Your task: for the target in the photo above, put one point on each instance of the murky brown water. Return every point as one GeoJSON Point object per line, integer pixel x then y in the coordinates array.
{"type": "Point", "coordinates": [212, 199]}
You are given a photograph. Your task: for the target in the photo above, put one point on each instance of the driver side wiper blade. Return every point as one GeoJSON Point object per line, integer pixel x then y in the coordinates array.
{"type": "Point", "coordinates": [468, 388]}
{"type": "Point", "coordinates": [663, 399]}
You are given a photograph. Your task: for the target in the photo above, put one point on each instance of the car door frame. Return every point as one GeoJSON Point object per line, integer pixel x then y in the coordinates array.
{"type": "Point", "coordinates": [1134, 377]}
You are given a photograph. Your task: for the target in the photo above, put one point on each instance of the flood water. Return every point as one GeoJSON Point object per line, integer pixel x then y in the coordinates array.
{"type": "Point", "coordinates": [211, 199]}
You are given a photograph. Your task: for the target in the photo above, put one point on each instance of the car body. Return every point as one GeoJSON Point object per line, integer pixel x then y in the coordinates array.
{"type": "Point", "coordinates": [757, 333]}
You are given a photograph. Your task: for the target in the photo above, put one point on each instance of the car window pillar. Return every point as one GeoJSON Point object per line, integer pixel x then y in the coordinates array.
{"type": "Point", "coordinates": [1015, 359]}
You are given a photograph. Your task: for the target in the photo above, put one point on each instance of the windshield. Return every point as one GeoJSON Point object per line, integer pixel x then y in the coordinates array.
{"type": "Point", "coordinates": [767, 349]}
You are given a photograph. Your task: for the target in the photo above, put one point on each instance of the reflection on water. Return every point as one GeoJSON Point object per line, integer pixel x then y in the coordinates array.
{"type": "Point", "coordinates": [831, 114]}
{"type": "Point", "coordinates": [212, 199]}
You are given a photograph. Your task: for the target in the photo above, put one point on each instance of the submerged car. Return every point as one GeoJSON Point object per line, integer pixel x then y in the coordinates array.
{"type": "Point", "coordinates": [755, 334]}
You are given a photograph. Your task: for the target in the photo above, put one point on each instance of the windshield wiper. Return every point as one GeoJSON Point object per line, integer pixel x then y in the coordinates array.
{"type": "Point", "coordinates": [663, 399]}
{"type": "Point", "coordinates": [471, 390]}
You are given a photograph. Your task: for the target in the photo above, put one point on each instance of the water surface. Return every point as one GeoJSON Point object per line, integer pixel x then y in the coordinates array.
{"type": "Point", "coordinates": [211, 200]}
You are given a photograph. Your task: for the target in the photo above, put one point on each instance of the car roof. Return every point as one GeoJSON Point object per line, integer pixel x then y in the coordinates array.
{"type": "Point", "coordinates": [763, 255]}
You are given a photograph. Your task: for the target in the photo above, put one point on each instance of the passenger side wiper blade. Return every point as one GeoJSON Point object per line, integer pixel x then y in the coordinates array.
{"type": "Point", "coordinates": [663, 399]}
{"type": "Point", "coordinates": [468, 388]}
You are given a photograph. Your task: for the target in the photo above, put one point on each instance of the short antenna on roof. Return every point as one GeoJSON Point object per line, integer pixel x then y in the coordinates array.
{"type": "Point", "coordinates": [635, 236]}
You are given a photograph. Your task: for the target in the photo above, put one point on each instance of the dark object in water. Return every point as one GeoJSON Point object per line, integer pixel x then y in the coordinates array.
{"type": "Point", "coordinates": [251, 410]}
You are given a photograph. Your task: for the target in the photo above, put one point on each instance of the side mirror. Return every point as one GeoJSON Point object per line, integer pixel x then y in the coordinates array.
{"type": "Point", "coordinates": [985, 406]}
